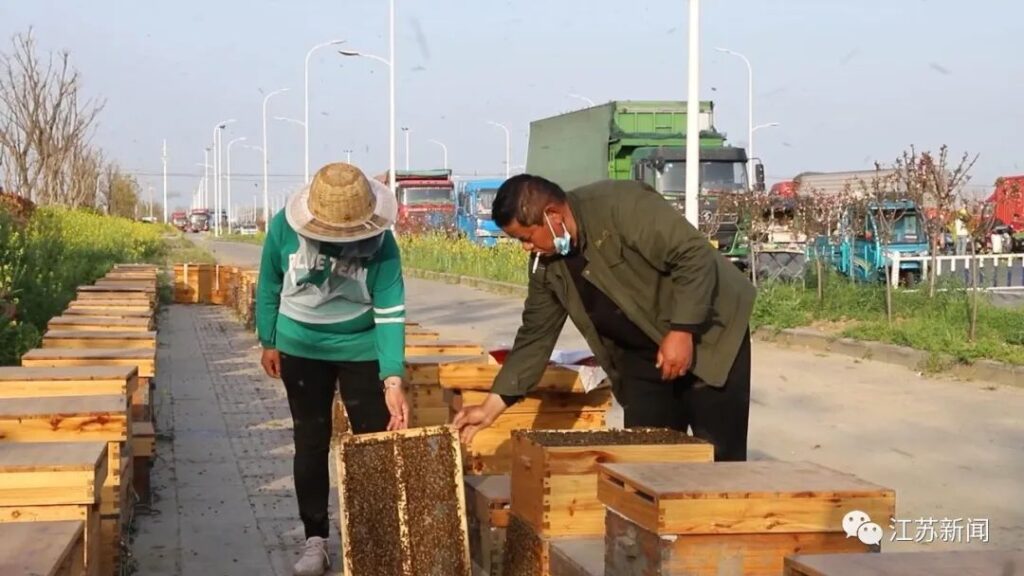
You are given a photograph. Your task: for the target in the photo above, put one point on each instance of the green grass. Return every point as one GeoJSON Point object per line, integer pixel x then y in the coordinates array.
{"type": "Point", "coordinates": [256, 238]}
{"type": "Point", "coordinates": [45, 258]}
{"type": "Point", "coordinates": [181, 249]}
{"type": "Point", "coordinates": [938, 325]}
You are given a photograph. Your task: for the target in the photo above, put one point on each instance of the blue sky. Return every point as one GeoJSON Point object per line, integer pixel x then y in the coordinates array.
{"type": "Point", "coordinates": [849, 82]}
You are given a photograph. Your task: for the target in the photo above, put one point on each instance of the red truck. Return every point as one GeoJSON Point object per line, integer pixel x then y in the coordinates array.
{"type": "Point", "coordinates": [426, 199]}
{"type": "Point", "coordinates": [180, 221]}
{"type": "Point", "coordinates": [1008, 198]}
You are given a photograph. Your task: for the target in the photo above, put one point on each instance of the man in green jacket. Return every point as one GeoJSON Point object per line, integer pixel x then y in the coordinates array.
{"type": "Point", "coordinates": [330, 313]}
{"type": "Point", "coordinates": [664, 313]}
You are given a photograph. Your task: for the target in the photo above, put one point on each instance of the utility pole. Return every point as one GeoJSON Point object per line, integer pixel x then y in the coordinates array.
{"type": "Point", "coordinates": [165, 180]}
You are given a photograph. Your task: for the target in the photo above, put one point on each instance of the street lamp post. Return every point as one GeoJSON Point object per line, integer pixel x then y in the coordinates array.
{"type": "Point", "coordinates": [266, 162]}
{"type": "Point", "coordinates": [306, 76]}
{"type": "Point", "coordinates": [348, 156]}
{"type": "Point", "coordinates": [692, 118]}
{"type": "Point", "coordinates": [390, 62]}
{"type": "Point", "coordinates": [230, 144]}
{"type": "Point", "coordinates": [508, 147]}
{"type": "Point", "coordinates": [750, 106]}
{"type": "Point", "coordinates": [217, 172]}
{"type": "Point", "coordinates": [164, 161]}
{"type": "Point", "coordinates": [444, 149]}
{"type": "Point", "coordinates": [205, 198]}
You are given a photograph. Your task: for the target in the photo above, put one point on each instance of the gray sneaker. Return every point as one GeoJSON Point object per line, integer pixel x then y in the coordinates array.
{"type": "Point", "coordinates": [314, 560]}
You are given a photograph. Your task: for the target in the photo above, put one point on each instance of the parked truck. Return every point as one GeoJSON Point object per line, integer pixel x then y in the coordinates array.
{"type": "Point", "coordinates": [473, 210]}
{"type": "Point", "coordinates": [180, 221]}
{"type": "Point", "coordinates": [199, 220]}
{"type": "Point", "coordinates": [854, 242]}
{"type": "Point", "coordinates": [645, 140]}
{"type": "Point", "coordinates": [426, 199]}
{"type": "Point", "coordinates": [1008, 203]}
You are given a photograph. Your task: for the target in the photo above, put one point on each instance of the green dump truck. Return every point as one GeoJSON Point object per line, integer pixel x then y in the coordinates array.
{"type": "Point", "coordinates": [645, 140]}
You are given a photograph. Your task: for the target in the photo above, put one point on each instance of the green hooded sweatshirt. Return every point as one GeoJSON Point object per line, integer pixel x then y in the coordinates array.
{"type": "Point", "coordinates": [336, 302]}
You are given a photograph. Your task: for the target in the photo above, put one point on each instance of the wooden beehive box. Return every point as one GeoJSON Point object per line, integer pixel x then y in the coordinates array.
{"type": "Point", "coordinates": [224, 278]}
{"type": "Point", "coordinates": [81, 322]}
{"type": "Point", "coordinates": [938, 563]}
{"type": "Point", "coordinates": [554, 472]}
{"type": "Point", "coordinates": [142, 358]}
{"type": "Point", "coordinates": [490, 450]}
{"type": "Point", "coordinates": [739, 517]}
{"type": "Point", "coordinates": [100, 339]}
{"type": "Point", "coordinates": [72, 419]}
{"type": "Point", "coordinates": [33, 382]}
{"type": "Point", "coordinates": [143, 450]}
{"type": "Point", "coordinates": [443, 348]}
{"type": "Point", "coordinates": [88, 307]}
{"type": "Point", "coordinates": [76, 309]}
{"type": "Point", "coordinates": [530, 554]}
{"type": "Point", "coordinates": [55, 481]}
{"type": "Point", "coordinates": [577, 557]}
{"type": "Point", "coordinates": [479, 377]}
{"type": "Point", "coordinates": [43, 548]}
{"type": "Point", "coordinates": [147, 286]}
{"type": "Point", "coordinates": [116, 293]}
{"type": "Point", "coordinates": [488, 499]}
{"type": "Point", "coordinates": [193, 283]}
{"type": "Point", "coordinates": [428, 402]}
{"type": "Point", "coordinates": [415, 334]}
{"type": "Point", "coordinates": [402, 503]}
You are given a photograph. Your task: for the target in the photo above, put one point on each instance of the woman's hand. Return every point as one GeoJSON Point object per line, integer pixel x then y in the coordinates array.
{"type": "Point", "coordinates": [271, 362]}
{"type": "Point", "coordinates": [394, 397]}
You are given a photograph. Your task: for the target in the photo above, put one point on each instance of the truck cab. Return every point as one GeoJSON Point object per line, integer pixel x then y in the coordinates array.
{"type": "Point", "coordinates": [180, 221]}
{"type": "Point", "coordinates": [426, 199]}
{"type": "Point", "coordinates": [473, 211]}
{"type": "Point", "coordinates": [723, 172]}
{"type": "Point", "coordinates": [199, 220]}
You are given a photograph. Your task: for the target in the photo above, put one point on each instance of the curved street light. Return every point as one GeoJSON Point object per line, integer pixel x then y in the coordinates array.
{"type": "Point", "coordinates": [306, 78]}
{"type": "Point", "coordinates": [508, 147]}
{"type": "Point", "coordinates": [266, 161]}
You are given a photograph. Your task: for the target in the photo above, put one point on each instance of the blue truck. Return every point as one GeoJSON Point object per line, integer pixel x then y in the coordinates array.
{"type": "Point", "coordinates": [473, 211]}
{"type": "Point", "coordinates": [858, 251]}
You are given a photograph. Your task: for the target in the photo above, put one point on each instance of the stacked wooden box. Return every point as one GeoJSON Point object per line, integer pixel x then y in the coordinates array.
{"type": "Point", "coordinates": [671, 519]}
{"type": "Point", "coordinates": [559, 402]}
{"type": "Point", "coordinates": [76, 432]}
{"type": "Point", "coordinates": [554, 485]}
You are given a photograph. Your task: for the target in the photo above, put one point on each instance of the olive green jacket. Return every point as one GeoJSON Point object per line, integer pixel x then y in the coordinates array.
{"type": "Point", "coordinates": [658, 268]}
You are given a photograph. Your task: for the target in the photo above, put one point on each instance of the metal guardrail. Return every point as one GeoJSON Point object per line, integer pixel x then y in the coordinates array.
{"type": "Point", "coordinates": [995, 271]}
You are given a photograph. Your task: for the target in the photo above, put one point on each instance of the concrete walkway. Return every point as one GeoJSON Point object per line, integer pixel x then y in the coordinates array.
{"type": "Point", "coordinates": [226, 502]}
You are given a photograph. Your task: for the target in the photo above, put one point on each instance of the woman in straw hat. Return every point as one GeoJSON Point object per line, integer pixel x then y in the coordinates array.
{"type": "Point", "coordinates": [330, 311]}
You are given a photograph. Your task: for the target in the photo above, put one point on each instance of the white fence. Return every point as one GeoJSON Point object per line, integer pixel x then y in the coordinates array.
{"type": "Point", "coordinates": [995, 271]}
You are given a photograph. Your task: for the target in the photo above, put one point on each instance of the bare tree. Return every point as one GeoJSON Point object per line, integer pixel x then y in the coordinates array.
{"type": "Point", "coordinates": [123, 193]}
{"type": "Point", "coordinates": [885, 207]}
{"type": "Point", "coordinates": [937, 190]}
{"type": "Point", "coordinates": [979, 218]}
{"type": "Point", "coordinates": [45, 125]}
{"type": "Point", "coordinates": [816, 217]}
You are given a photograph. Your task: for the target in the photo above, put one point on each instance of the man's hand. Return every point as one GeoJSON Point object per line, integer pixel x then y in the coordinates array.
{"type": "Point", "coordinates": [472, 419]}
{"type": "Point", "coordinates": [675, 356]}
{"type": "Point", "coordinates": [271, 362]}
{"type": "Point", "coordinates": [394, 397]}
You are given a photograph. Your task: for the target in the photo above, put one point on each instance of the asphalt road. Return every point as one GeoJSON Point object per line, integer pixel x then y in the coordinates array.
{"type": "Point", "coordinates": [951, 449]}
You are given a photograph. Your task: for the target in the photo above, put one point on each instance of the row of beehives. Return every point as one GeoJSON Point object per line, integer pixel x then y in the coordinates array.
{"type": "Point", "coordinates": [76, 431]}
{"type": "Point", "coordinates": [550, 490]}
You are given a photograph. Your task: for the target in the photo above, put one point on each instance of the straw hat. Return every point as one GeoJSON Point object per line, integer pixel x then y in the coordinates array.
{"type": "Point", "coordinates": [341, 205]}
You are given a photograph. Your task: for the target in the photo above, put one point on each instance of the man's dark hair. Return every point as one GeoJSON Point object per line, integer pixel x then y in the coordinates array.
{"type": "Point", "coordinates": [522, 198]}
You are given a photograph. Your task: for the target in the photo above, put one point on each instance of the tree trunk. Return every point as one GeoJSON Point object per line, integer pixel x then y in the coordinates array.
{"type": "Point", "coordinates": [821, 280]}
{"type": "Point", "coordinates": [753, 264]}
{"type": "Point", "coordinates": [974, 293]}
{"type": "Point", "coordinates": [888, 286]}
{"type": "Point", "coordinates": [933, 272]}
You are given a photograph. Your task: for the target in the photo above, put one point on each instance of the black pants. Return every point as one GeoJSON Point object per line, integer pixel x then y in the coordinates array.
{"type": "Point", "coordinates": [717, 415]}
{"type": "Point", "coordinates": [311, 385]}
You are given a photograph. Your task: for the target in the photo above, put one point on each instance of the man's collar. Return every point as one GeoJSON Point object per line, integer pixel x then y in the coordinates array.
{"type": "Point", "coordinates": [581, 237]}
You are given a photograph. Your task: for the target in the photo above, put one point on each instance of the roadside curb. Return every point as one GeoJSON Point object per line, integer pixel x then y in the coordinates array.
{"type": "Point", "coordinates": [987, 370]}
{"type": "Point", "coordinates": [503, 288]}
